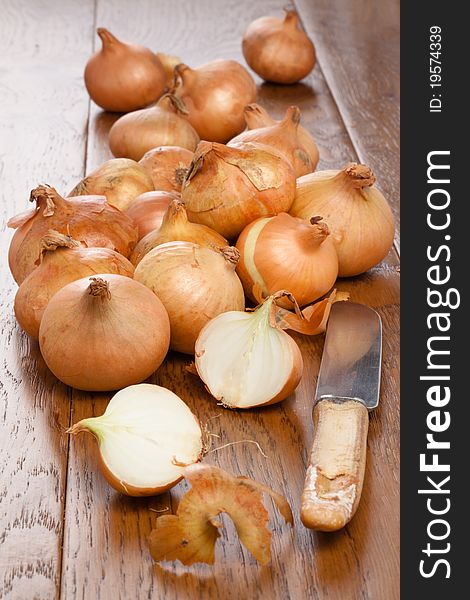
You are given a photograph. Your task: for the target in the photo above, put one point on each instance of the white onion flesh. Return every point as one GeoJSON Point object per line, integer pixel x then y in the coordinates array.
{"type": "Point", "coordinates": [244, 361]}
{"type": "Point", "coordinates": [145, 436]}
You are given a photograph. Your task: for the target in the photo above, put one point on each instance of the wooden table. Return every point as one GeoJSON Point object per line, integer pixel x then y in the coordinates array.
{"type": "Point", "coordinates": [64, 532]}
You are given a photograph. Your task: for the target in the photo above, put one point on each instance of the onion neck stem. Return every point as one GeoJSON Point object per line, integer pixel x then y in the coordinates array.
{"type": "Point", "coordinates": [313, 235]}
{"type": "Point", "coordinates": [231, 255]}
{"type": "Point", "coordinates": [175, 101]}
{"type": "Point", "coordinates": [257, 117]}
{"type": "Point", "coordinates": [106, 37]}
{"type": "Point", "coordinates": [358, 176]}
{"type": "Point", "coordinates": [93, 425]}
{"type": "Point", "coordinates": [175, 216]}
{"type": "Point", "coordinates": [292, 117]}
{"type": "Point", "coordinates": [291, 19]}
{"type": "Point", "coordinates": [99, 288]}
{"type": "Point", "coordinates": [45, 194]}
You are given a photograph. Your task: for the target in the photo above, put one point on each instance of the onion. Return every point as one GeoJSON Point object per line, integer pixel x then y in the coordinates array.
{"type": "Point", "coordinates": [63, 261]}
{"type": "Point", "coordinates": [228, 187]}
{"type": "Point", "coordinates": [167, 166]}
{"type": "Point", "coordinates": [284, 252]}
{"type": "Point", "coordinates": [256, 116]}
{"type": "Point", "coordinates": [121, 180]}
{"type": "Point", "coordinates": [176, 227]}
{"type": "Point", "coordinates": [147, 210]}
{"type": "Point", "coordinates": [103, 333]}
{"type": "Point", "coordinates": [194, 283]}
{"type": "Point", "coordinates": [88, 219]}
{"type": "Point", "coordinates": [169, 63]}
{"type": "Point", "coordinates": [358, 216]}
{"type": "Point", "coordinates": [246, 359]}
{"type": "Point", "coordinates": [279, 50]}
{"type": "Point", "coordinates": [163, 124]}
{"type": "Point", "coordinates": [122, 77]}
{"type": "Point", "coordinates": [215, 95]}
{"type": "Point", "coordinates": [288, 136]}
{"type": "Point", "coordinates": [146, 436]}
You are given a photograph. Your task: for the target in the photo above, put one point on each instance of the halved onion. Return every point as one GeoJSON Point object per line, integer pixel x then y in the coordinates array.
{"type": "Point", "coordinates": [146, 437]}
{"type": "Point", "coordinates": [246, 360]}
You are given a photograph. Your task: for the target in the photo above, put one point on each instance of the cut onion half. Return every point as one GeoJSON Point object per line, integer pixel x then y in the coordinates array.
{"type": "Point", "coordinates": [245, 360]}
{"type": "Point", "coordinates": [146, 437]}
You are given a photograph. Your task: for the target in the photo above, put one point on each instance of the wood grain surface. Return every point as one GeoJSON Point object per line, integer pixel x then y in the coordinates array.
{"type": "Point", "coordinates": [65, 533]}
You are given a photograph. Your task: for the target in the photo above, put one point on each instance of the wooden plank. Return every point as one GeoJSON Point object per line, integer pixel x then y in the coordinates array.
{"type": "Point", "coordinates": [105, 548]}
{"type": "Point", "coordinates": [43, 111]}
{"type": "Point", "coordinates": [358, 48]}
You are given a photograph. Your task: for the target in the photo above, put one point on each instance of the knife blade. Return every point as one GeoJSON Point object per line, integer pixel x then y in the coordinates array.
{"type": "Point", "coordinates": [348, 387]}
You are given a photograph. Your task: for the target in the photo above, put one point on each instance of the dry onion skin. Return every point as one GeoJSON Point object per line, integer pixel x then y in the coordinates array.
{"type": "Point", "coordinates": [227, 188]}
{"type": "Point", "coordinates": [191, 534]}
{"type": "Point", "coordinates": [164, 124]}
{"type": "Point", "coordinates": [63, 261]}
{"type": "Point", "coordinates": [147, 210]}
{"type": "Point", "coordinates": [194, 283]}
{"type": "Point", "coordinates": [122, 77]}
{"type": "Point", "coordinates": [104, 333]}
{"type": "Point", "coordinates": [285, 252]}
{"type": "Point", "coordinates": [176, 227]}
{"type": "Point", "coordinates": [146, 437]}
{"type": "Point", "coordinates": [358, 216]}
{"type": "Point", "coordinates": [167, 166]}
{"type": "Point", "coordinates": [121, 180]}
{"type": "Point", "coordinates": [279, 50]}
{"type": "Point", "coordinates": [215, 95]}
{"type": "Point", "coordinates": [286, 135]}
{"type": "Point", "coordinates": [88, 219]}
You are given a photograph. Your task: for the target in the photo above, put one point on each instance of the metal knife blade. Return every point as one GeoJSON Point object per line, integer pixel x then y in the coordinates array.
{"type": "Point", "coordinates": [352, 355]}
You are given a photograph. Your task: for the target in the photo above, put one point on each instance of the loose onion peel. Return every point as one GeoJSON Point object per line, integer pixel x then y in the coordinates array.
{"type": "Point", "coordinates": [191, 534]}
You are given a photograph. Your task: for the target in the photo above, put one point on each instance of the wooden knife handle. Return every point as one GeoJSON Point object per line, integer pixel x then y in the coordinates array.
{"type": "Point", "coordinates": [335, 473]}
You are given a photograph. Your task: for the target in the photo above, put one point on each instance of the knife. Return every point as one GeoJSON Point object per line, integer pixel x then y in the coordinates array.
{"type": "Point", "coordinates": [347, 388]}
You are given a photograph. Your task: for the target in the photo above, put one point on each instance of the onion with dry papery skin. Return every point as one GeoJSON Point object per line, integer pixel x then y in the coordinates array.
{"type": "Point", "coordinates": [88, 219]}
{"type": "Point", "coordinates": [194, 283]}
{"type": "Point", "coordinates": [279, 50]}
{"type": "Point", "coordinates": [163, 124]}
{"type": "Point", "coordinates": [215, 95]}
{"type": "Point", "coordinates": [121, 180]}
{"type": "Point", "coordinates": [147, 210]}
{"type": "Point", "coordinates": [284, 252]}
{"type": "Point", "coordinates": [122, 77]}
{"type": "Point", "coordinates": [229, 187]}
{"type": "Point", "coordinates": [176, 227]}
{"type": "Point", "coordinates": [167, 166]}
{"type": "Point", "coordinates": [147, 436]}
{"type": "Point", "coordinates": [358, 216]}
{"type": "Point", "coordinates": [63, 261]}
{"type": "Point", "coordinates": [104, 333]}
{"type": "Point", "coordinates": [286, 136]}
